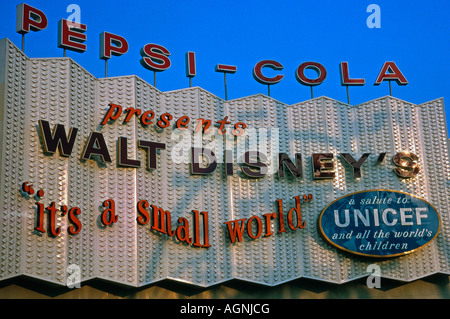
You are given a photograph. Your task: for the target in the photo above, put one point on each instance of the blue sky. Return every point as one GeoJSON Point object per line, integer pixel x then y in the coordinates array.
{"type": "Point", "coordinates": [414, 34]}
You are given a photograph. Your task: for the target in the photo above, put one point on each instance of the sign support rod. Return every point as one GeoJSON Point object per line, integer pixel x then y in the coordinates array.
{"type": "Point", "coordinates": [348, 96]}
{"type": "Point", "coordinates": [225, 82]}
{"type": "Point", "coordinates": [225, 69]}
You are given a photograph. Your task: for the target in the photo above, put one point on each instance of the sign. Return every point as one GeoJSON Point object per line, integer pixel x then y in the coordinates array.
{"type": "Point", "coordinates": [130, 184]}
{"type": "Point", "coordinates": [379, 223]}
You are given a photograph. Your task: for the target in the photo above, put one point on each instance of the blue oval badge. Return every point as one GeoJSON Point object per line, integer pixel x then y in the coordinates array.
{"type": "Point", "coordinates": [379, 223]}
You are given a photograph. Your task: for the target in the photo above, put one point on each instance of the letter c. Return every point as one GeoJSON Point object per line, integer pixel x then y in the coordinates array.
{"type": "Point", "coordinates": [394, 220]}
{"type": "Point", "coordinates": [257, 72]}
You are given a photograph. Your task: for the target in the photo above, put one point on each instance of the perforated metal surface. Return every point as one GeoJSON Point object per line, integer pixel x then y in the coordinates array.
{"type": "Point", "coordinates": [62, 92]}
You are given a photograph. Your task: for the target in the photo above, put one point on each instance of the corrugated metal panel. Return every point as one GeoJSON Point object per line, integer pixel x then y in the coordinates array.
{"type": "Point", "coordinates": [62, 92]}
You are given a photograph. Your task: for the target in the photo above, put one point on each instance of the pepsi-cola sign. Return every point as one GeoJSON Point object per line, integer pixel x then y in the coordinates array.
{"type": "Point", "coordinates": [155, 57]}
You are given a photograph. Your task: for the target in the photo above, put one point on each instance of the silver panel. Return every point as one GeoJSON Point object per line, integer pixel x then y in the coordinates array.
{"type": "Point", "coordinates": [62, 92]}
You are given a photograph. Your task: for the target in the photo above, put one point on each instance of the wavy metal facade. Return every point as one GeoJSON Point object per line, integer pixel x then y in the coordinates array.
{"type": "Point", "coordinates": [60, 91]}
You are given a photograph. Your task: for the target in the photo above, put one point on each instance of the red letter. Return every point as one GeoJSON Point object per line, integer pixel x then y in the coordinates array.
{"type": "Point", "coordinates": [222, 129]}
{"type": "Point", "coordinates": [40, 218]}
{"type": "Point", "coordinates": [147, 117]}
{"type": "Point", "coordinates": [345, 77]}
{"type": "Point", "coordinates": [29, 18]}
{"type": "Point", "coordinates": [71, 35]}
{"type": "Point", "coordinates": [109, 116]}
{"type": "Point", "coordinates": [226, 68]}
{"type": "Point", "coordinates": [298, 211]}
{"type": "Point", "coordinates": [258, 228]}
{"type": "Point", "coordinates": [394, 74]}
{"type": "Point", "coordinates": [130, 112]}
{"type": "Point", "coordinates": [319, 68]}
{"type": "Point", "coordinates": [155, 57]}
{"type": "Point", "coordinates": [27, 188]}
{"type": "Point", "coordinates": [52, 220]}
{"type": "Point", "coordinates": [109, 215]}
{"type": "Point", "coordinates": [197, 229]}
{"type": "Point", "coordinates": [183, 122]}
{"type": "Point", "coordinates": [76, 228]}
{"type": "Point", "coordinates": [274, 65]}
{"type": "Point", "coordinates": [112, 44]}
{"type": "Point", "coordinates": [162, 221]}
{"type": "Point", "coordinates": [164, 120]}
{"type": "Point", "coordinates": [203, 125]}
{"type": "Point", "coordinates": [182, 232]}
{"type": "Point", "coordinates": [236, 230]}
{"type": "Point", "coordinates": [280, 216]}
{"type": "Point", "coordinates": [145, 218]}
{"type": "Point", "coordinates": [268, 217]}
{"type": "Point", "coordinates": [190, 64]}
{"type": "Point", "coordinates": [238, 131]}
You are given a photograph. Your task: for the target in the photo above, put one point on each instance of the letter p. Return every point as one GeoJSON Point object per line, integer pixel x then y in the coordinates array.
{"type": "Point", "coordinates": [29, 18]}
{"type": "Point", "coordinates": [112, 44]}
{"type": "Point", "coordinates": [113, 113]}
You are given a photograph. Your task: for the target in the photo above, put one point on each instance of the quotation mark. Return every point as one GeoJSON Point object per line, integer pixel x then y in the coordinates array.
{"type": "Point", "coordinates": [307, 198]}
{"type": "Point", "coordinates": [27, 191]}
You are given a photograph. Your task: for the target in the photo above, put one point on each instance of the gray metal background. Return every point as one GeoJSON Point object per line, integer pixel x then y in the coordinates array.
{"type": "Point", "coordinates": [62, 92]}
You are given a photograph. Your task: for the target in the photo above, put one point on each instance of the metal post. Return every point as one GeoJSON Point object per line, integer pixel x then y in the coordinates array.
{"type": "Point", "coordinates": [154, 79]}
{"type": "Point", "coordinates": [190, 82]}
{"type": "Point", "coordinates": [106, 68]}
{"type": "Point", "coordinates": [390, 88]}
{"type": "Point", "coordinates": [348, 96]}
{"type": "Point", "coordinates": [268, 89]}
{"type": "Point", "coordinates": [64, 53]}
{"type": "Point", "coordinates": [312, 96]}
{"type": "Point", "coordinates": [225, 69]}
{"type": "Point", "coordinates": [225, 81]}
{"type": "Point", "coordinates": [23, 42]}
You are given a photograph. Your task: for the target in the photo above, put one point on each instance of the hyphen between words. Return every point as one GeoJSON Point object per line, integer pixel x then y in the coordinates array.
{"type": "Point", "coordinates": [254, 165]}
